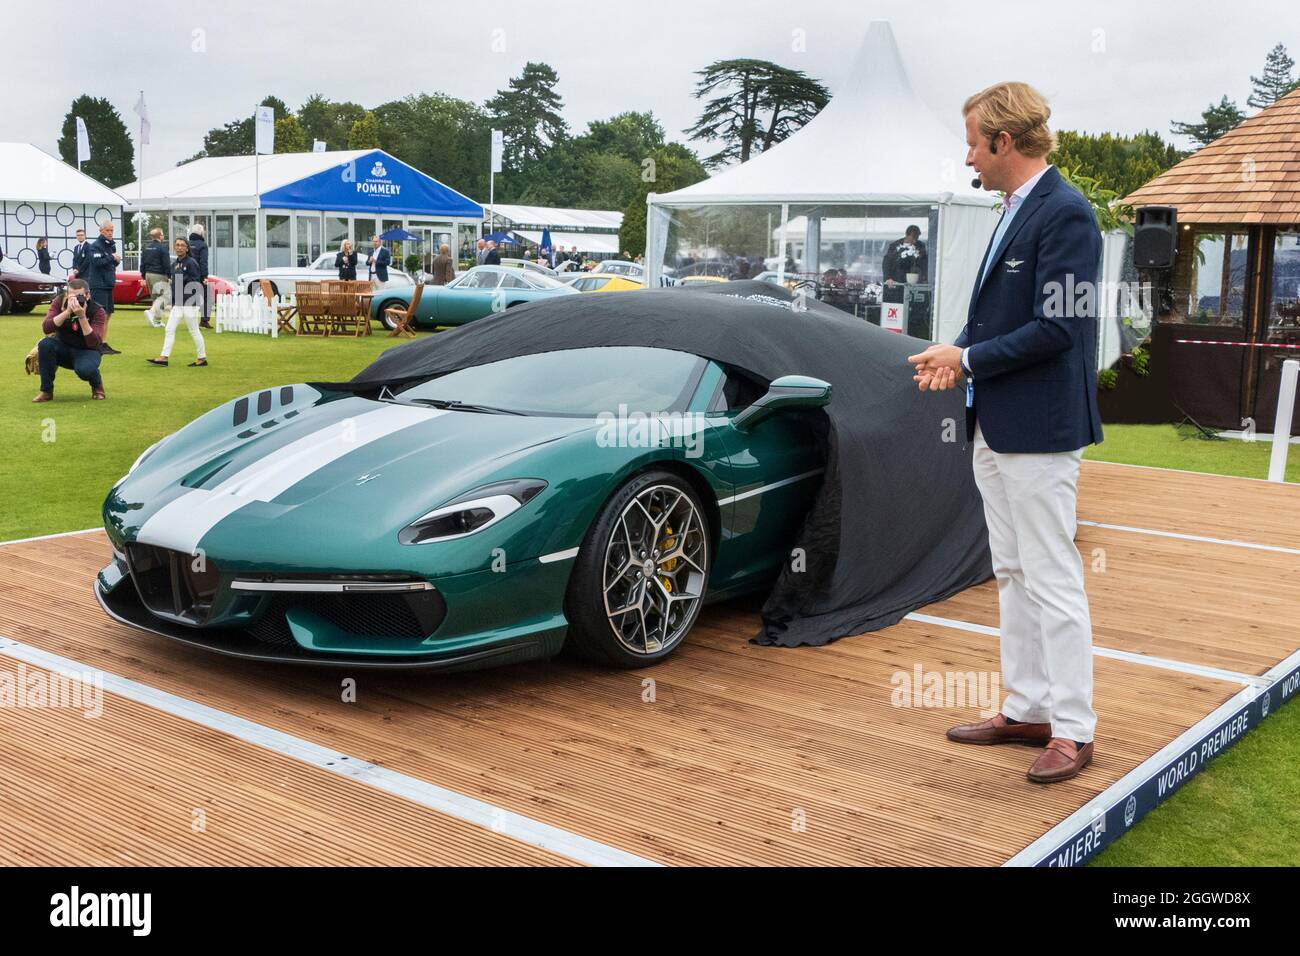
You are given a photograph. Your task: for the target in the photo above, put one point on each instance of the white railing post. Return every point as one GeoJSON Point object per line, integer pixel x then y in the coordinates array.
{"type": "Point", "coordinates": [1282, 423]}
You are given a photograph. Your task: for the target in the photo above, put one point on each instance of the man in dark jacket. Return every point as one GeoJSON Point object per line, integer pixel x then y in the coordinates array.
{"type": "Point", "coordinates": [905, 255]}
{"type": "Point", "coordinates": [74, 328]}
{"type": "Point", "coordinates": [199, 250]}
{"type": "Point", "coordinates": [78, 254]}
{"type": "Point", "coordinates": [101, 259]}
{"type": "Point", "coordinates": [380, 260]}
{"type": "Point", "coordinates": [155, 265]}
{"type": "Point", "coordinates": [493, 258]}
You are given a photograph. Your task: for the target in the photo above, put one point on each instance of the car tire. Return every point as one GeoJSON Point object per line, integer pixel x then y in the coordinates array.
{"type": "Point", "coordinates": [611, 588]}
{"type": "Point", "coordinates": [6, 301]}
{"type": "Point", "coordinates": [21, 309]}
{"type": "Point", "coordinates": [384, 306]}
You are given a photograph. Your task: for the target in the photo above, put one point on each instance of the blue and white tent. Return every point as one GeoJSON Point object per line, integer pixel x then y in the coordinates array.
{"type": "Point", "coordinates": [289, 208]}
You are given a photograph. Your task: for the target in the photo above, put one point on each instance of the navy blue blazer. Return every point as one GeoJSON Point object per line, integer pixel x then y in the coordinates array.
{"type": "Point", "coordinates": [1032, 327]}
{"type": "Point", "coordinates": [379, 262]}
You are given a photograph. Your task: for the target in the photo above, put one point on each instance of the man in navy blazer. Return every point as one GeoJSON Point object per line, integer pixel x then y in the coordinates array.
{"type": "Point", "coordinates": [380, 259]}
{"type": "Point", "coordinates": [1028, 357]}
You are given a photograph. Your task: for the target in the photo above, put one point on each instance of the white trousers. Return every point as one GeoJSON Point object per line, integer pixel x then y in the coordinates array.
{"type": "Point", "coordinates": [1029, 505]}
{"type": "Point", "coordinates": [189, 314]}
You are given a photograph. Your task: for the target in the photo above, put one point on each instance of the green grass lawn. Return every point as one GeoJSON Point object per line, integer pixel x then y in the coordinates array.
{"type": "Point", "coordinates": [59, 459]}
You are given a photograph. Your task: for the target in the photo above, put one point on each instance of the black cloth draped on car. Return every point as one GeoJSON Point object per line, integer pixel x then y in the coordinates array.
{"type": "Point", "coordinates": [897, 522]}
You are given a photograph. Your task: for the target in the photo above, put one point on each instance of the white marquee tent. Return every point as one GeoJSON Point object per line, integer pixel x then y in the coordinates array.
{"type": "Point", "coordinates": [43, 197]}
{"type": "Point", "coordinates": [875, 153]}
{"type": "Point", "coordinates": [593, 231]}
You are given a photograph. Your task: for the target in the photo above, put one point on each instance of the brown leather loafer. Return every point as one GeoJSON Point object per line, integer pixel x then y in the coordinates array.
{"type": "Point", "coordinates": [996, 730]}
{"type": "Point", "coordinates": [98, 394]}
{"type": "Point", "coordinates": [43, 397]}
{"type": "Point", "coordinates": [1060, 761]}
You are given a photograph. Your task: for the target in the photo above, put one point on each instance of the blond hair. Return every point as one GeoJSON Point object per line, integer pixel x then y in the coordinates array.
{"type": "Point", "coordinates": [1017, 109]}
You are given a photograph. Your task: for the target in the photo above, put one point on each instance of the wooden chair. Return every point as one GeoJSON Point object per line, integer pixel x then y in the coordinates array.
{"type": "Point", "coordinates": [402, 319]}
{"type": "Point", "coordinates": [313, 317]}
{"type": "Point", "coordinates": [283, 314]}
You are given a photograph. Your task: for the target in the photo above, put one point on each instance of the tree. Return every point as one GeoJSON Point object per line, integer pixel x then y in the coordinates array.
{"type": "Point", "coordinates": [1215, 121]}
{"type": "Point", "coordinates": [328, 121]}
{"type": "Point", "coordinates": [528, 115]}
{"type": "Point", "coordinates": [446, 136]}
{"type": "Point", "coordinates": [759, 104]}
{"type": "Point", "coordinates": [672, 167]}
{"type": "Point", "coordinates": [364, 133]}
{"type": "Point", "coordinates": [1276, 81]}
{"type": "Point", "coordinates": [112, 155]}
{"type": "Point", "coordinates": [237, 138]}
{"type": "Point", "coordinates": [289, 135]}
{"type": "Point", "coordinates": [1118, 163]}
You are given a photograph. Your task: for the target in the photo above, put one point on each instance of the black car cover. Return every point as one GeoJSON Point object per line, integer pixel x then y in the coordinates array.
{"type": "Point", "coordinates": [897, 523]}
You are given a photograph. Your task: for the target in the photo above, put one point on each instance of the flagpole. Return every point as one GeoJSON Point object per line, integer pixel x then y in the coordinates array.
{"type": "Point", "coordinates": [139, 192]}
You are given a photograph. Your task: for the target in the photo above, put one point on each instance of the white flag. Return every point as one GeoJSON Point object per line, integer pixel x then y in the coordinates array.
{"type": "Point", "coordinates": [498, 150]}
{"type": "Point", "coordinates": [265, 124]}
{"type": "Point", "coordinates": [318, 146]}
{"type": "Point", "coordinates": [142, 111]}
{"type": "Point", "coordinates": [83, 141]}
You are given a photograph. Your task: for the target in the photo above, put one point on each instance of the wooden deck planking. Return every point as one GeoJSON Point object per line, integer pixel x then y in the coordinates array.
{"type": "Point", "coordinates": [740, 738]}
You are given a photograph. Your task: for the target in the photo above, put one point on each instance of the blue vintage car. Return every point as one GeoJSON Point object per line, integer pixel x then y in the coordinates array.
{"type": "Point", "coordinates": [471, 295]}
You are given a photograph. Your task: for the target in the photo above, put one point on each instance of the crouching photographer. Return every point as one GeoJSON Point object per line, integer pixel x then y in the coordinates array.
{"type": "Point", "coordinates": [74, 327]}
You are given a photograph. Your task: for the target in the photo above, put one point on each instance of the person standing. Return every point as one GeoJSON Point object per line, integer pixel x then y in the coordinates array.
{"type": "Point", "coordinates": [444, 268]}
{"type": "Point", "coordinates": [101, 260]}
{"type": "Point", "coordinates": [43, 255]}
{"type": "Point", "coordinates": [905, 255]}
{"type": "Point", "coordinates": [480, 253]}
{"type": "Point", "coordinates": [199, 253]}
{"type": "Point", "coordinates": [346, 261]}
{"type": "Point", "coordinates": [155, 264]}
{"type": "Point", "coordinates": [78, 255]}
{"type": "Point", "coordinates": [1031, 407]}
{"type": "Point", "coordinates": [186, 296]}
{"type": "Point", "coordinates": [380, 260]}
{"type": "Point", "coordinates": [74, 328]}
{"type": "Point", "coordinates": [493, 258]}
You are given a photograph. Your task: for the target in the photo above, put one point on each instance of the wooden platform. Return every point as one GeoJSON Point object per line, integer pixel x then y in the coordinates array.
{"type": "Point", "coordinates": [726, 754]}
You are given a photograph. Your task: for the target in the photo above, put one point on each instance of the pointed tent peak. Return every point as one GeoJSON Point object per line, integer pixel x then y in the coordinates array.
{"type": "Point", "coordinates": [874, 142]}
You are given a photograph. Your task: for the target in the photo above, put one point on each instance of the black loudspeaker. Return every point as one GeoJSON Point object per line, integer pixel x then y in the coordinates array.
{"type": "Point", "coordinates": [1155, 237]}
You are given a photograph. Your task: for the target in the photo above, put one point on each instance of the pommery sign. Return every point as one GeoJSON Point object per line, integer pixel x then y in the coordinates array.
{"type": "Point", "coordinates": [373, 183]}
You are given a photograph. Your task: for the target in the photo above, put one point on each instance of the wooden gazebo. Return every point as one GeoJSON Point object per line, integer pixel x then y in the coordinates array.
{"type": "Point", "coordinates": [1237, 277]}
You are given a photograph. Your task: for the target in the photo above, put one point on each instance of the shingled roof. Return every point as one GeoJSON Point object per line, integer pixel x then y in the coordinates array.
{"type": "Point", "coordinates": [1248, 175]}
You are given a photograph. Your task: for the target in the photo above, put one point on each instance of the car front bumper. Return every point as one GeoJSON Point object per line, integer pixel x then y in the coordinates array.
{"type": "Point", "coordinates": [458, 622]}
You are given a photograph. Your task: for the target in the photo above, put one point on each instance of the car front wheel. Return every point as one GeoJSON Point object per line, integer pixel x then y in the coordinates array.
{"type": "Point", "coordinates": [384, 306]}
{"type": "Point", "coordinates": [640, 576]}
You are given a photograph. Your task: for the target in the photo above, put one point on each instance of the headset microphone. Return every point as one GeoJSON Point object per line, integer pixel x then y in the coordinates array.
{"type": "Point", "coordinates": [976, 184]}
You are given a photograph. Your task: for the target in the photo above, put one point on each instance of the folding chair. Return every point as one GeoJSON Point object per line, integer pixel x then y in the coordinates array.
{"type": "Point", "coordinates": [283, 314]}
{"type": "Point", "coordinates": [403, 318]}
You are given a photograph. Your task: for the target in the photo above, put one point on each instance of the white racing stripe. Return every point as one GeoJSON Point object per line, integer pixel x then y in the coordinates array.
{"type": "Point", "coordinates": [487, 815]}
{"type": "Point", "coordinates": [776, 484]}
{"type": "Point", "coordinates": [182, 522]}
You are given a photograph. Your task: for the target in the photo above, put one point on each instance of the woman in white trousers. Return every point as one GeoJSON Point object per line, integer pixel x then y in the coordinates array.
{"type": "Point", "coordinates": [187, 290]}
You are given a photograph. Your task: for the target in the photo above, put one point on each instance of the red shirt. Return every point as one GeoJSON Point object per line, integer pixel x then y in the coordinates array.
{"type": "Point", "coordinates": [70, 331]}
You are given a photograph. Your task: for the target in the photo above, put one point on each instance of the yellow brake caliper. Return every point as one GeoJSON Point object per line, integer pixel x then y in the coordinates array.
{"type": "Point", "coordinates": [667, 544]}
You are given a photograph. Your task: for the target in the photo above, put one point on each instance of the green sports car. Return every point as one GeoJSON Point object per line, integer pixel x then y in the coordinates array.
{"type": "Point", "coordinates": [475, 518]}
{"type": "Point", "coordinates": [473, 294]}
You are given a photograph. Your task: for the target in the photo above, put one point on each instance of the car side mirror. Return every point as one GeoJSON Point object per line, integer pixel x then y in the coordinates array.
{"type": "Point", "coordinates": [786, 392]}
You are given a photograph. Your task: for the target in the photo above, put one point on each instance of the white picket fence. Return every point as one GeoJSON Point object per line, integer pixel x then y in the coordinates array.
{"type": "Point", "coordinates": [239, 312]}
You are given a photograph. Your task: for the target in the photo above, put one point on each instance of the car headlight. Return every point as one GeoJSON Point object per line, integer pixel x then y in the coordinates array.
{"type": "Point", "coordinates": [472, 511]}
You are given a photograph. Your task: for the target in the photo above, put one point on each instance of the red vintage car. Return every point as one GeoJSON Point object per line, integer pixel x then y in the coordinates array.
{"type": "Point", "coordinates": [130, 287]}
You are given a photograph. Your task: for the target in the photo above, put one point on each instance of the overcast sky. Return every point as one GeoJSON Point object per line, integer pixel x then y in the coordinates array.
{"type": "Point", "coordinates": [1114, 65]}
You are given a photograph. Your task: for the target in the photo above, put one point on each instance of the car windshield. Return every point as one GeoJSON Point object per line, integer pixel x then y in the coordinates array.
{"type": "Point", "coordinates": [540, 280]}
{"type": "Point", "coordinates": [476, 279]}
{"type": "Point", "coordinates": [579, 383]}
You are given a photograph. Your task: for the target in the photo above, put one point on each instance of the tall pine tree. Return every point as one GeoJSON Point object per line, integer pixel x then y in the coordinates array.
{"type": "Point", "coordinates": [528, 115]}
{"type": "Point", "coordinates": [1276, 82]}
{"type": "Point", "coordinates": [1215, 121]}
